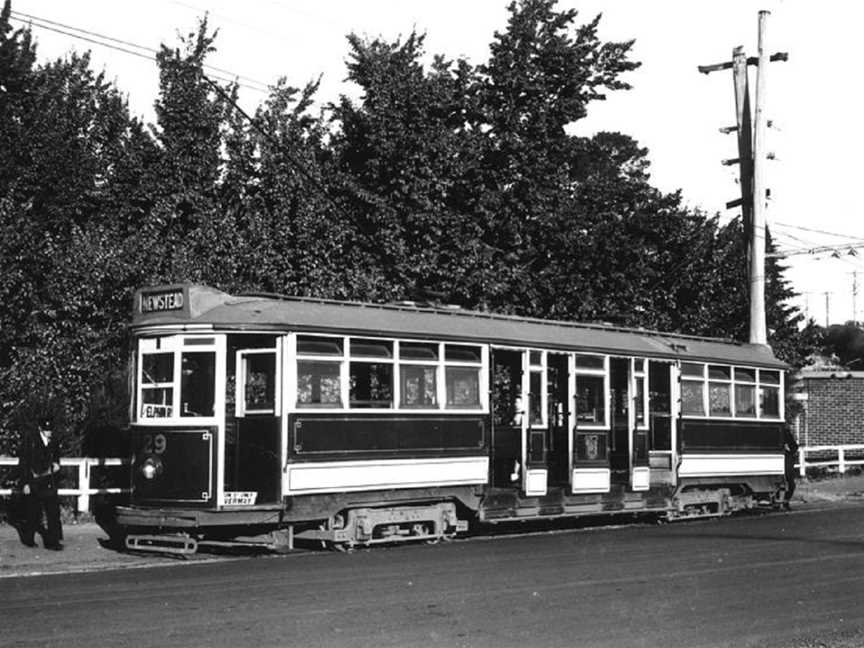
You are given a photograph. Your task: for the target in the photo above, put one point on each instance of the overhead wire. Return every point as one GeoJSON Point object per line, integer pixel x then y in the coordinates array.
{"type": "Point", "coordinates": [815, 231]}
{"type": "Point", "coordinates": [56, 27]}
{"type": "Point", "coordinates": [91, 37]}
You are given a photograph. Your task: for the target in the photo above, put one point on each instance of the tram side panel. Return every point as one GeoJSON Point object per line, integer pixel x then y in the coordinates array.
{"type": "Point", "coordinates": [337, 461]}
{"type": "Point", "coordinates": [742, 463]}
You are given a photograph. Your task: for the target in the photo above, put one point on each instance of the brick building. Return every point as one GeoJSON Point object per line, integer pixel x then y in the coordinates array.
{"type": "Point", "coordinates": [832, 407]}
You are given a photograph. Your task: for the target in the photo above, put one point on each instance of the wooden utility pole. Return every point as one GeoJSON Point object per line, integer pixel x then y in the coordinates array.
{"type": "Point", "coordinates": [745, 148]}
{"type": "Point", "coordinates": [751, 161]}
{"type": "Point", "coordinates": [758, 332]}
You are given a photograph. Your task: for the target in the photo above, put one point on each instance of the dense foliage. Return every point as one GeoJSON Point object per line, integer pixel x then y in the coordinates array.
{"type": "Point", "coordinates": [445, 181]}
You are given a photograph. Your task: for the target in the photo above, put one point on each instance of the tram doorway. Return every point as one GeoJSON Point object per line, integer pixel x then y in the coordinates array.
{"type": "Point", "coordinates": [507, 414]}
{"type": "Point", "coordinates": [628, 447]}
{"type": "Point", "coordinates": [530, 419]}
{"type": "Point", "coordinates": [253, 425]}
{"type": "Point", "coordinates": [619, 401]}
{"type": "Point", "coordinates": [558, 443]}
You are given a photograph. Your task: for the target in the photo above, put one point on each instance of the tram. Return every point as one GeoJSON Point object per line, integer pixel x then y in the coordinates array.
{"type": "Point", "coordinates": [356, 424]}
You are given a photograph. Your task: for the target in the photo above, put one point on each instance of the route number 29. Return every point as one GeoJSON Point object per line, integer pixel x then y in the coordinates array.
{"type": "Point", "coordinates": [155, 443]}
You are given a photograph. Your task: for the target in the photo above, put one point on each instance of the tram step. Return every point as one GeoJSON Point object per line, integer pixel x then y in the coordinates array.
{"type": "Point", "coordinates": [170, 544]}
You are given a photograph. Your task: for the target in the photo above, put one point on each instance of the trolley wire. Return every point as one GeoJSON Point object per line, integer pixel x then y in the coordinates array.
{"type": "Point", "coordinates": [364, 228]}
{"type": "Point", "coordinates": [94, 37]}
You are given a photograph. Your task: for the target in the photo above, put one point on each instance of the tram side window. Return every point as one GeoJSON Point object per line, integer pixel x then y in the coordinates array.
{"type": "Point", "coordinates": [371, 385]}
{"type": "Point", "coordinates": [730, 391]}
{"type": "Point", "coordinates": [720, 390]}
{"type": "Point", "coordinates": [197, 383]}
{"type": "Point", "coordinates": [535, 389]}
{"type": "Point", "coordinates": [370, 380]}
{"type": "Point", "coordinates": [745, 392]}
{"type": "Point", "coordinates": [591, 390]}
{"type": "Point", "coordinates": [769, 387]}
{"type": "Point", "coordinates": [463, 387]}
{"type": "Point", "coordinates": [419, 386]}
{"type": "Point", "coordinates": [418, 383]}
{"type": "Point", "coordinates": [259, 390]}
{"type": "Point", "coordinates": [157, 385]}
{"type": "Point", "coordinates": [640, 401]}
{"type": "Point", "coordinates": [319, 380]}
{"type": "Point", "coordinates": [693, 388]}
{"type": "Point", "coordinates": [318, 384]}
{"type": "Point", "coordinates": [590, 404]}
{"type": "Point", "coordinates": [462, 364]}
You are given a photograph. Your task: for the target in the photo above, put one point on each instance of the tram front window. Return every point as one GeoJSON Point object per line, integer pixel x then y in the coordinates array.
{"type": "Point", "coordinates": [157, 391]}
{"type": "Point", "coordinates": [197, 384]}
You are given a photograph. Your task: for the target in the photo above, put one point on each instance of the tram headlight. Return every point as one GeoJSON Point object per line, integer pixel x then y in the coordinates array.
{"type": "Point", "coordinates": [151, 468]}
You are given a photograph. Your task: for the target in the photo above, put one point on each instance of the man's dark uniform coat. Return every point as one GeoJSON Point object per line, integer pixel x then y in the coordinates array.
{"type": "Point", "coordinates": [35, 461]}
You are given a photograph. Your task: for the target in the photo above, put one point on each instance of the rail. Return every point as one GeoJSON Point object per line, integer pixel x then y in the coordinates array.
{"type": "Point", "coordinates": [84, 489]}
{"type": "Point", "coordinates": [840, 461]}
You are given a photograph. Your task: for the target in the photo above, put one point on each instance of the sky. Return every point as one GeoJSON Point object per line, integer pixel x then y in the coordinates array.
{"type": "Point", "coordinates": [815, 99]}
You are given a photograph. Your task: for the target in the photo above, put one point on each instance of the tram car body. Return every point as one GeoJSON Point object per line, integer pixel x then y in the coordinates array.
{"type": "Point", "coordinates": [357, 423]}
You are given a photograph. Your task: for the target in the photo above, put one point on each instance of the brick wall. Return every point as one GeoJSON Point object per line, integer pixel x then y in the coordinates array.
{"type": "Point", "coordinates": [834, 408]}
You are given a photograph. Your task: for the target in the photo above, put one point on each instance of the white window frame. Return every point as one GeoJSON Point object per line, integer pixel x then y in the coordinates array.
{"type": "Point", "coordinates": [643, 376]}
{"type": "Point", "coordinates": [542, 370]}
{"type": "Point", "coordinates": [295, 357]}
{"type": "Point", "coordinates": [349, 359]}
{"type": "Point", "coordinates": [730, 384]}
{"type": "Point", "coordinates": [440, 387]}
{"type": "Point", "coordinates": [603, 373]}
{"type": "Point", "coordinates": [706, 381]}
{"type": "Point", "coordinates": [240, 383]}
{"type": "Point", "coordinates": [441, 365]}
{"type": "Point", "coordinates": [176, 345]}
{"type": "Point", "coordinates": [780, 395]}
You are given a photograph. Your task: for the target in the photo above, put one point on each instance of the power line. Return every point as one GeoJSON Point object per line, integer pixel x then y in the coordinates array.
{"type": "Point", "coordinates": [56, 27]}
{"type": "Point", "coordinates": [61, 28]}
{"type": "Point", "coordinates": [815, 231]}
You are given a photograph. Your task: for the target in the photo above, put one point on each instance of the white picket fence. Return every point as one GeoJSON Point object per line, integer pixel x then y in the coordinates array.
{"type": "Point", "coordinates": [84, 489]}
{"type": "Point", "coordinates": [838, 460]}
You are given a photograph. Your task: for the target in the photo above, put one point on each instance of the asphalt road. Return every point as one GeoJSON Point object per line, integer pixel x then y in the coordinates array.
{"type": "Point", "coordinates": [793, 579]}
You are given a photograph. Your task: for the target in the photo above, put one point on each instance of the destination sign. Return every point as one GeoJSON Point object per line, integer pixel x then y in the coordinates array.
{"type": "Point", "coordinates": [164, 301]}
{"type": "Point", "coordinates": [240, 498]}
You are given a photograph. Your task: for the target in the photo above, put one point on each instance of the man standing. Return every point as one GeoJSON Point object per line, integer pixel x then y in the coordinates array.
{"type": "Point", "coordinates": [39, 463]}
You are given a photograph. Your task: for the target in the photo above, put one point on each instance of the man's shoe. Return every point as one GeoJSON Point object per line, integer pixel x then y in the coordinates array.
{"type": "Point", "coordinates": [28, 543]}
{"type": "Point", "coordinates": [55, 547]}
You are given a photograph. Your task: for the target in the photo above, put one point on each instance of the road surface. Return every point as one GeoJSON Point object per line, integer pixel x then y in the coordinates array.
{"type": "Point", "coordinates": [786, 579]}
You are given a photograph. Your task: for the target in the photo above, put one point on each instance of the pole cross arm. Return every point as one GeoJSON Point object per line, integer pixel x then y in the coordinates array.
{"type": "Point", "coordinates": [753, 60]}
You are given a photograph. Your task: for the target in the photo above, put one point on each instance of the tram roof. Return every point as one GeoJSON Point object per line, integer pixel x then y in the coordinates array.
{"type": "Point", "coordinates": [201, 305]}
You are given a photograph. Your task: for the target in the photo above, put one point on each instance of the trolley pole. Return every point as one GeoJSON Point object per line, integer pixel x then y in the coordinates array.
{"type": "Point", "coordinates": [751, 160]}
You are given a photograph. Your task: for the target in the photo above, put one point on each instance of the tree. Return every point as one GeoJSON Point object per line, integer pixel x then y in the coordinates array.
{"type": "Point", "coordinates": [67, 138]}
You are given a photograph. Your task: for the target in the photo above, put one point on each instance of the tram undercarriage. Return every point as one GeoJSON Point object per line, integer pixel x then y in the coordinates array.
{"type": "Point", "coordinates": [367, 519]}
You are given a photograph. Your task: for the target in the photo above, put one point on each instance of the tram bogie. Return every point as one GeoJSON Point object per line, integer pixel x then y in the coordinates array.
{"type": "Point", "coordinates": [358, 424]}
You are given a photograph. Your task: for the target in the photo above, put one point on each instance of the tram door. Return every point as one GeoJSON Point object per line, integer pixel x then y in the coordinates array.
{"type": "Point", "coordinates": [628, 447]}
{"type": "Point", "coordinates": [619, 402]}
{"type": "Point", "coordinates": [558, 403]}
{"type": "Point", "coordinates": [506, 377]}
{"type": "Point", "coordinates": [530, 419]}
{"type": "Point", "coordinates": [253, 435]}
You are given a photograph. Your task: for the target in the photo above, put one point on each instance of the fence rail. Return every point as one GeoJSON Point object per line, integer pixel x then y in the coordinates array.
{"type": "Point", "coordinates": [84, 489]}
{"type": "Point", "coordinates": [840, 461]}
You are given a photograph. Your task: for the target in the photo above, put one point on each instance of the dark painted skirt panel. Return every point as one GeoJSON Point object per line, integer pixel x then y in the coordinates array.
{"type": "Point", "coordinates": [730, 436]}
{"type": "Point", "coordinates": [315, 437]}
